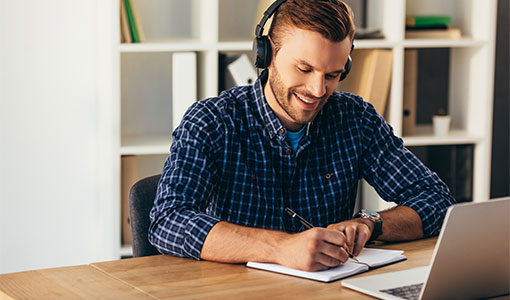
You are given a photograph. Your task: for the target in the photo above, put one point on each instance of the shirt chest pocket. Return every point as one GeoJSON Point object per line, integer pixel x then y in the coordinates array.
{"type": "Point", "coordinates": [334, 195]}
{"type": "Point", "coordinates": [337, 183]}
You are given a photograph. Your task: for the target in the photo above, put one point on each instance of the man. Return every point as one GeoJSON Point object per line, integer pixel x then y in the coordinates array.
{"type": "Point", "coordinates": [290, 141]}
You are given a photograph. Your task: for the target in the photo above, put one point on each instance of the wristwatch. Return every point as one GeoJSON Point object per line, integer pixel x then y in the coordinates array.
{"type": "Point", "coordinates": [375, 218]}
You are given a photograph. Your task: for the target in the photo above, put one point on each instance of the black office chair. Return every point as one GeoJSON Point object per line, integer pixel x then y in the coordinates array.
{"type": "Point", "coordinates": [141, 200]}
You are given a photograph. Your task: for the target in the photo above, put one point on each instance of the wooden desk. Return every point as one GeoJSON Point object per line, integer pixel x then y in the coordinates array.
{"type": "Point", "coordinates": [168, 277]}
{"type": "Point", "coordinates": [80, 282]}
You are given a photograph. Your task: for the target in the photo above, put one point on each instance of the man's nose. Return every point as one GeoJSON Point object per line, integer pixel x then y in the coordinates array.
{"type": "Point", "coordinates": [317, 86]}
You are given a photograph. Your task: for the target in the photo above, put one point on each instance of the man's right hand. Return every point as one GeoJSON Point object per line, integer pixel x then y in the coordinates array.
{"type": "Point", "coordinates": [313, 250]}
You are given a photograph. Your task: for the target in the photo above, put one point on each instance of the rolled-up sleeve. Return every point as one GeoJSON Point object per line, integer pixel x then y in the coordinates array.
{"type": "Point", "coordinates": [399, 176]}
{"type": "Point", "coordinates": [179, 222]}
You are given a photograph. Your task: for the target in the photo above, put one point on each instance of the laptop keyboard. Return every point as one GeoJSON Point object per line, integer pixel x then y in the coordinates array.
{"type": "Point", "coordinates": [409, 292]}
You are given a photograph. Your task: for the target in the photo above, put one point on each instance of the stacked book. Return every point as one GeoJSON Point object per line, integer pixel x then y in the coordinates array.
{"type": "Point", "coordinates": [430, 27]}
{"type": "Point", "coordinates": [130, 26]}
{"type": "Point", "coordinates": [370, 76]}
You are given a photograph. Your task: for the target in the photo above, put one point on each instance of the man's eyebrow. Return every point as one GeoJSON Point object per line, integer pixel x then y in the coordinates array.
{"type": "Point", "coordinates": [303, 62]}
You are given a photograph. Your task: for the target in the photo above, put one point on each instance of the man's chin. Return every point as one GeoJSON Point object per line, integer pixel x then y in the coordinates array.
{"type": "Point", "coordinates": [305, 118]}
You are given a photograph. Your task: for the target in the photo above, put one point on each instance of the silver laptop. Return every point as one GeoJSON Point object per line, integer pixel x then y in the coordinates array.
{"type": "Point", "coordinates": [470, 260]}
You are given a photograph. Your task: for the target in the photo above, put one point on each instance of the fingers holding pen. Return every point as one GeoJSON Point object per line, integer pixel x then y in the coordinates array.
{"type": "Point", "coordinates": [336, 252]}
{"type": "Point", "coordinates": [357, 234]}
{"type": "Point", "coordinates": [323, 247]}
{"type": "Point", "coordinates": [350, 236]}
{"type": "Point", "coordinates": [313, 250]}
{"type": "Point", "coordinates": [349, 233]}
{"type": "Point", "coordinates": [362, 236]}
{"type": "Point", "coordinates": [330, 243]}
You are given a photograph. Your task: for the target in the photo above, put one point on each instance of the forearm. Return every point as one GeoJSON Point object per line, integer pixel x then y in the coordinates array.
{"type": "Point", "coordinates": [311, 250]}
{"type": "Point", "coordinates": [230, 243]}
{"type": "Point", "coordinates": [401, 223]}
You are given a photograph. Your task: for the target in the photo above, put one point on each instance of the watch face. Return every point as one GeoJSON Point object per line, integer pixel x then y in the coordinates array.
{"type": "Point", "coordinates": [371, 213]}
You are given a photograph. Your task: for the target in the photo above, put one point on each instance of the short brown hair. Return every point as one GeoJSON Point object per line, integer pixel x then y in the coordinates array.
{"type": "Point", "coordinates": [333, 19]}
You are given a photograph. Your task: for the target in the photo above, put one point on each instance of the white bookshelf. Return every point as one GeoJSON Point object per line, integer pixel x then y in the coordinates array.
{"type": "Point", "coordinates": [163, 46]}
{"type": "Point", "coordinates": [235, 46]}
{"type": "Point", "coordinates": [145, 145]}
{"type": "Point", "coordinates": [424, 136]}
{"type": "Point", "coordinates": [442, 43]}
{"type": "Point", "coordinates": [210, 27]}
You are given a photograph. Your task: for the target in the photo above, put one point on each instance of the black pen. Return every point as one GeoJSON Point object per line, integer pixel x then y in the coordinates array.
{"type": "Point", "coordinates": [309, 226]}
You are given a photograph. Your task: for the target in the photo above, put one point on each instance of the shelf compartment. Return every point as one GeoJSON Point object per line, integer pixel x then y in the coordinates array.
{"type": "Point", "coordinates": [133, 169]}
{"type": "Point", "coordinates": [453, 164]}
{"type": "Point", "coordinates": [225, 79]}
{"type": "Point", "coordinates": [169, 19]}
{"type": "Point", "coordinates": [463, 13]}
{"type": "Point", "coordinates": [146, 94]}
{"type": "Point", "coordinates": [230, 29]}
{"type": "Point", "coordinates": [147, 89]}
{"type": "Point", "coordinates": [425, 137]}
{"type": "Point", "coordinates": [446, 79]}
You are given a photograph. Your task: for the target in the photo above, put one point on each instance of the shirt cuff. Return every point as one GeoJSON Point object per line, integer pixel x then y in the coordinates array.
{"type": "Point", "coordinates": [196, 232]}
{"type": "Point", "coordinates": [431, 215]}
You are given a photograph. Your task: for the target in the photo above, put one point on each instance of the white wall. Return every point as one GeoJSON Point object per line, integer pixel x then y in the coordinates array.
{"type": "Point", "coordinates": [49, 147]}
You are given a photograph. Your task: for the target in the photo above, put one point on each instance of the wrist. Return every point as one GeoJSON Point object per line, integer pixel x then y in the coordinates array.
{"type": "Point", "coordinates": [277, 245]}
{"type": "Point", "coordinates": [369, 224]}
{"type": "Point", "coordinates": [373, 220]}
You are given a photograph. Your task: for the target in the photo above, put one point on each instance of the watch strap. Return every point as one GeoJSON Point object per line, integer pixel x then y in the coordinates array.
{"type": "Point", "coordinates": [377, 229]}
{"type": "Point", "coordinates": [377, 222]}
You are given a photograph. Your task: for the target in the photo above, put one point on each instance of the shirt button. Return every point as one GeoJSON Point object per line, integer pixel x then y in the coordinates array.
{"type": "Point", "coordinates": [328, 176]}
{"type": "Point", "coordinates": [282, 131]}
{"type": "Point", "coordinates": [293, 228]}
{"type": "Point", "coordinates": [270, 132]}
{"type": "Point", "coordinates": [289, 190]}
{"type": "Point", "coordinates": [253, 176]}
{"type": "Point", "coordinates": [288, 151]}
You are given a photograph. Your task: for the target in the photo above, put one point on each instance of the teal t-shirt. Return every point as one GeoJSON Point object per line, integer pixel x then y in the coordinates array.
{"type": "Point", "coordinates": [295, 137]}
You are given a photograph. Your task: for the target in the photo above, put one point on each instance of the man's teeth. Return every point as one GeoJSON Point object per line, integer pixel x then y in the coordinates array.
{"type": "Point", "coordinates": [303, 99]}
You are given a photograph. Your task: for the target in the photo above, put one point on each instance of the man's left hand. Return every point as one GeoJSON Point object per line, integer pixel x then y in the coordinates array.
{"type": "Point", "coordinates": [357, 233]}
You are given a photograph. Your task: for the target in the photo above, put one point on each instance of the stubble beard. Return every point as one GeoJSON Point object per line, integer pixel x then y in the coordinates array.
{"type": "Point", "coordinates": [283, 97]}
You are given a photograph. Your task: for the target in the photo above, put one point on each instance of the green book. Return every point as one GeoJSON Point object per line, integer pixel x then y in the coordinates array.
{"type": "Point", "coordinates": [419, 21]}
{"type": "Point", "coordinates": [132, 23]}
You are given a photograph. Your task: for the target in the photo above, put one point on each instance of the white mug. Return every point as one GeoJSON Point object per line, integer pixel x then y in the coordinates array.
{"type": "Point", "coordinates": [441, 124]}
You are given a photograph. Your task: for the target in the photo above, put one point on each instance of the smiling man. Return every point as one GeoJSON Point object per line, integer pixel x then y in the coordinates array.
{"type": "Point", "coordinates": [237, 161]}
{"type": "Point", "coordinates": [310, 75]}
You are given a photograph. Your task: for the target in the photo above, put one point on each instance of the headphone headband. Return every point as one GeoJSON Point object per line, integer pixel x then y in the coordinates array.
{"type": "Point", "coordinates": [259, 30]}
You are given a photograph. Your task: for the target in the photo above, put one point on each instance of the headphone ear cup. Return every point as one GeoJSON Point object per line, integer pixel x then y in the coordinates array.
{"type": "Point", "coordinates": [263, 48]}
{"type": "Point", "coordinates": [347, 68]}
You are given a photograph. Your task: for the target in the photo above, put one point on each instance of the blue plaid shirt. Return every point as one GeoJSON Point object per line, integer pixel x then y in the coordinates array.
{"type": "Point", "coordinates": [230, 160]}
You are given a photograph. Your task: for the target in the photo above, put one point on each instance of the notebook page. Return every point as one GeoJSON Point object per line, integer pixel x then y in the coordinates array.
{"type": "Point", "coordinates": [369, 256]}
{"type": "Point", "coordinates": [379, 257]}
{"type": "Point", "coordinates": [348, 269]}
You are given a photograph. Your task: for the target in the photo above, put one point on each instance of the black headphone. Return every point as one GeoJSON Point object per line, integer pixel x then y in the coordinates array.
{"type": "Point", "coordinates": [262, 45]}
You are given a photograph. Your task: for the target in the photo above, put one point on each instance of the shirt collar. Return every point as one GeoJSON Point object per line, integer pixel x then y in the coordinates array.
{"type": "Point", "coordinates": [273, 125]}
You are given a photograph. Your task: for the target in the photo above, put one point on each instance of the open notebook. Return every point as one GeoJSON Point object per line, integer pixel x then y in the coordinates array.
{"type": "Point", "coordinates": [369, 258]}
